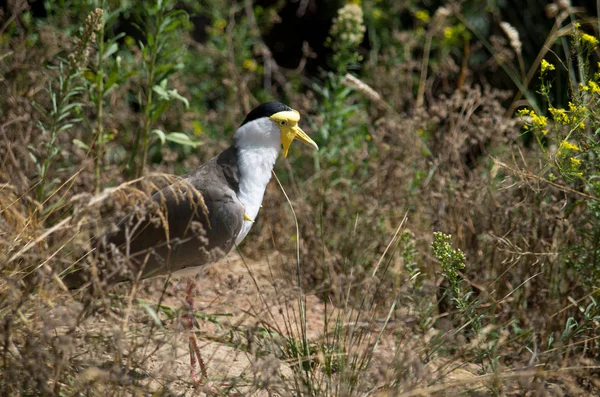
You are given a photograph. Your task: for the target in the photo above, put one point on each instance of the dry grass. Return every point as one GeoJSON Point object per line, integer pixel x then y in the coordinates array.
{"type": "Point", "coordinates": [352, 304]}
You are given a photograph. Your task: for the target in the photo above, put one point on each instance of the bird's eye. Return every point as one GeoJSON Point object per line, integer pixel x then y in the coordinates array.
{"type": "Point", "coordinates": [282, 123]}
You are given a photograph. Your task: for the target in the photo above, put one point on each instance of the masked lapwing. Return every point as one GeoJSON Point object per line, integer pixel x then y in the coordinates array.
{"type": "Point", "coordinates": [207, 213]}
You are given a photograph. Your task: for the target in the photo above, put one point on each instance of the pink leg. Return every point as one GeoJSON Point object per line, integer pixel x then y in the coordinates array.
{"type": "Point", "coordinates": [193, 344]}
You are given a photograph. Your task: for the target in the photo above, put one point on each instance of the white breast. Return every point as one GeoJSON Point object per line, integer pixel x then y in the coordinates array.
{"type": "Point", "coordinates": [258, 144]}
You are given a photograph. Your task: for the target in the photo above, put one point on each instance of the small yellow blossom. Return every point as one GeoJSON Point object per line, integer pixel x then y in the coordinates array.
{"type": "Point", "coordinates": [249, 64]}
{"type": "Point", "coordinates": [422, 15]}
{"type": "Point", "coordinates": [536, 121]}
{"type": "Point", "coordinates": [448, 32]}
{"type": "Point", "coordinates": [575, 162]}
{"type": "Point", "coordinates": [577, 25]}
{"type": "Point", "coordinates": [568, 146]}
{"type": "Point", "coordinates": [594, 87]}
{"type": "Point", "coordinates": [579, 111]}
{"type": "Point", "coordinates": [457, 33]}
{"type": "Point", "coordinates": [580, 174]}
{"type": "Point", "coordinates": [546, 66]}
{"type": "Point", "coordinates": [581, 125]}
{"type": "Point", "coordinates": [559, 115]}
{"type": "Point", "coordinates": [198, 130]}
{"type": "Point", "coordinates": [129, 41]}
{"type": "Point", "coordinates": [219, 25]}
{"type": "Point", "coordinates": [589, 39]}
{"type": "Point", "coordinates": [539, 122]}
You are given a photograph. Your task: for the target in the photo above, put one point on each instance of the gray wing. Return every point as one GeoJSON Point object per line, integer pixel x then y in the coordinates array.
{"type": "Point", "coordinates": [190, 230]}
{"type": "Point", "coordinates": [196, 222]}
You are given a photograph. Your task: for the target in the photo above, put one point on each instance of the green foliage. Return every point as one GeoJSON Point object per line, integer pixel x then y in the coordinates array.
{"type": "Point", "coordinates": [163, 27]}
{"type": "Point", "coordinates": [63, 91]}
{"type": "Point", "coordinates": [580, 329]}
{"type": "Point", "coordinates": [409, 254]}
{"type": "Point", "coordinates": [452, 262]}
{"type": "Point", "coordinates": [345, 35]}
{"type": "Point", "coordinates": [339, 135]}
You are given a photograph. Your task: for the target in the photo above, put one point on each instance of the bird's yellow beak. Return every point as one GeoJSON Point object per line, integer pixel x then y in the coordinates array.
{"type": "Point", "coordinates": [287, 122]}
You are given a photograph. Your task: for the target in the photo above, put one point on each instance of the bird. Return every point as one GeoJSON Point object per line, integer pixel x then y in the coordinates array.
{"type": "Point", "coordinates": [203, 215]}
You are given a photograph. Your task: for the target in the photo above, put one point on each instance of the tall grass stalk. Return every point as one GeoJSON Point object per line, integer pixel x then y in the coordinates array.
{"type": "Point", "coordinates": [150, 53]}
{"type": "Point", "coordinates": [302, 296]}
{"type": "Point", "coordinates": [69, 85]}
{"type": "Point", "coordinates": [62, 105]}
{"type": "Point", "coordinates": [98, 144]}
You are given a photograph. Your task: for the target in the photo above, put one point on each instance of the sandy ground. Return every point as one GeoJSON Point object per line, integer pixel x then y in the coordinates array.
{"type": "Point", "coordinates": [242, 296]}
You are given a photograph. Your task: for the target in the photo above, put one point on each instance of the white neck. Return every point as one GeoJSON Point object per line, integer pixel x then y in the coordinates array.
{"type": "Point", "coordinates": [258, 144]}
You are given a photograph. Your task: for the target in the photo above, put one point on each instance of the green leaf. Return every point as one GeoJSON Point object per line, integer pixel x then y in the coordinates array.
{"type": "Point", "coordinates": [161, 135]}
{"type": "Point", "coordinates": [80, 144]}
{"type": "Point", "coordinates": [161, 91]}
{"type": "Point", "coordinates": [175, 95]}
{"type": "Point", "coordinates": [152, 313]}
{"type": "Point", "coordinates": [169, 95]}
{"type": "Point", "coordinates": [181, 139]}
{"type": "Point", "coordinates": [112, 48]}
{"type": "Point", "coordinates": [65, 127]}
{"type": "Point", "coordinates": [150, 38]}
{"type": "Point", "coordinates": [159, 110]}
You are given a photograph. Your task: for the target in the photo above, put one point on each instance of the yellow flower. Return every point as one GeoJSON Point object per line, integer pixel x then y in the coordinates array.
{"type": "Point", "coordinates": [536, 121]}
{"type": "Point", "coordinates": [592, 85]}
{"type": "Point", "coordinates": [546, 66]}
{"type": "Point", "coordinates": [539, 121]}
{"type": "Point", "coordinates": [198, 130]}
{"type": "Point", "coordinates": [575, 162]}
{"type": "Point", "coordinates": [456, 34]}
{"type": "Point", "coordinates": [422, 15]}
{"type": "Point", "coordinates": [589, 39]}
{"type": "Point", "coordinates": [219, 25]}
{"type": "Point", "coordinates": [249, 64]}
{"type": "Point", "coordinates": [559, 115]}
{"type": "Point", "coordinates": [580, 174]}
{"type": "Point", "coordinates": [448, 32]}
{"type": "Point", "coordinates": [581, 125]}
{"type": "Point", "coordinates": [568, 146]}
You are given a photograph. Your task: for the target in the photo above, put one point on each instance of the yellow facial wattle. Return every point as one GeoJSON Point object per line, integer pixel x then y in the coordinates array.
{"type": "Point", "coordinates": [287, 121]}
